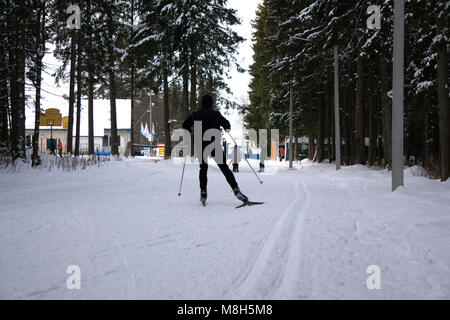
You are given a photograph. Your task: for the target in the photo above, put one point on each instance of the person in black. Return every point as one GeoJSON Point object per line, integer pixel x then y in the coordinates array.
{"type": "Point", "coordinates": [212, 119]}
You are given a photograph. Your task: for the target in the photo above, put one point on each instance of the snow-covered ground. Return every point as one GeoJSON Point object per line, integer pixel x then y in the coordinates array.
{"type": "Point", "coordinates": [133, 237]}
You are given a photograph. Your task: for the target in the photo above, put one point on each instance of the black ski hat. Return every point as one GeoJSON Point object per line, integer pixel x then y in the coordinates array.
{"type": "Point", "coordinates": [207, 101]}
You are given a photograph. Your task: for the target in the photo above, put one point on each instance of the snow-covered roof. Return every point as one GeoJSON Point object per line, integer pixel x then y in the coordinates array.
{"type": "Point", "coordinates": [102, 118]}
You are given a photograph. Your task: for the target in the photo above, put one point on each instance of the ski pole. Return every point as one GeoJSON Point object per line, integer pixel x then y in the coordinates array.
{"type": "Point", "coordinates": [260, 181]}
{"type": "Point", "coordinates": [182, 175]}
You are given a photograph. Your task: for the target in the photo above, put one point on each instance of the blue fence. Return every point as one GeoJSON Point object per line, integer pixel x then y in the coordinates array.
{"type": "Point", "coordinates": [102, 153]}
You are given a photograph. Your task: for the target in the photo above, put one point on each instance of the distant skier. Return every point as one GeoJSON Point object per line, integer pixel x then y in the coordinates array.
{"type": "Point", "coordinates": [261, 161]}
{"type": "Point", "coordinates": [60, 147]}
{"type": "Point", "coordinates": [212, 119]}
{"type": "Point", "coordinates": [282, 154]}
{"type": "Point", "coordinates": [235, 159]}
{"type": "Point", "coordinates": [52, 147]}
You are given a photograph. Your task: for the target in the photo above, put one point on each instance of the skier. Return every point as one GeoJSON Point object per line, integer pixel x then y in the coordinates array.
{"type": "Point", "coordinates": [212, 119]}
{"type": "Point", "coordinates": [60, 147]}
{"type": "Point", "coordinates": [52, 147]}
{"type": "Point", "coordinates": [261, 161]}
{"type": "Point", "coordinates": [282, 154]}
{"type": "Point", "coordinates": [235, 159]}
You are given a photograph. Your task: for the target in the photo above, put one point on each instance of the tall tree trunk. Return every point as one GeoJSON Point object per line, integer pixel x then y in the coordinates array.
{"type": "Point", "coordinates": [132, 86]}
{"type": "Point", "coordinates": [10, 61]}
{"type": "Point", "coordinates": [359, 120]}
{"type": "Point", "coordinates": [387, 112]}
{"type": "Point", "coordinates": [201, 91]}
{"type": "Point", "coordinates": [379, 131]}
{"type": "Point", "coordinates": [325, 124]}
{"type": "Point", "coordinates": [320, 116]}
{"type": "Point", "coordinates": [333, 135]}
{"type": "Point", "coordinates": [112, 87]}
{"type": "Point", "coordinates": [426, 136]}
{"type": "Point", "coordinates": [71, 93]}
{"type": "Point", "coordinates": [167, 140]}
{"type": "Point", "coordinates": [345, 123]}
{"type": "Point", "coordinates": [311, 146]}
{"type": "Point", "coordinates": [91, 114]}
{"type": "Point", "coordinates": [4, 94]}
{"type": "Point", "coordinates": [296, 148]}
{"type": "Point", "coordinates": [40, 43]}
{"type": "Point", "coordinates": [4, 105]}
{"type": "Point", "coordinates": [112, 100]}
{"type": "Point", "coordinates": [79, 85]}
{"type": "Point", "coordinates": [132, 112]}
{"type": "Point", "coordinates": [18, 84]}
{"type": "Point", "coordinates": [348, 125]}
{"type": "Point", "coordinates": [372, 126]}
{"type": "Point", "coordinates": [185, 72]}
{"type": "Point", "coordinates": [193, 102]}
{"type": "Point", "coordinates": [444, 112]}
{"type": "Point", "coordinates": [330, 116]}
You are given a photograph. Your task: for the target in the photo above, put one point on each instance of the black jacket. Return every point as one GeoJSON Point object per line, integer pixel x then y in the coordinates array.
{"type": "Point", "coordinates": [210, 119]}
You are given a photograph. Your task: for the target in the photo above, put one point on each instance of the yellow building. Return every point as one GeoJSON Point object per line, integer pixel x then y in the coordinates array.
{"type": "Point", "coordinates": [102, 125]}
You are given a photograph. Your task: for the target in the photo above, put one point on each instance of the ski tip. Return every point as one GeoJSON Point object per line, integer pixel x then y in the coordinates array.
{"type": "Point", "coordinates": [248, 204]}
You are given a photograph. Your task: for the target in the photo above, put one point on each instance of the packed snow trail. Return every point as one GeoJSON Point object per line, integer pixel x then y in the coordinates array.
{"type": "Point", "coordinates": [134, 238]}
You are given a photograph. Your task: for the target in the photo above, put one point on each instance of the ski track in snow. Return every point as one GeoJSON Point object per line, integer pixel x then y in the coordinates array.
{"type": "Point", "coordinates": [281, 245]}
{"type": "Point", "coordinates": [133, 238]}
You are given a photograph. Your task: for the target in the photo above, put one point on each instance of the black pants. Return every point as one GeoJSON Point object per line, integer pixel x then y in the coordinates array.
{"type": "Point", "coordinates": [203, 176]}
{"type": "Point", "coordinates": [261, 167]}
{"type": "Point", "coordinates": [235, 167]}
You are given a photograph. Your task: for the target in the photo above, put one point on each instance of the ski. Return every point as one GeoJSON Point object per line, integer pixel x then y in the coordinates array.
{"type": "Point", "coordinates": [248, 203]}
{"type": "Point", "coordinates": [203, 201]}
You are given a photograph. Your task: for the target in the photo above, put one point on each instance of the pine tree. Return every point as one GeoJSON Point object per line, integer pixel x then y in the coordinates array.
{"type": "Point", "coordinates": [64, 40]}
{"type": "Point", "coordinates": [257, 112]}
{"type": "Point", "coordinates": [4, 79]}
{"type": "Point", "coordinates": [191, 39]}
{"type": "Point", "coordinates": [17, 40]}
{"type": "Point", "coordinates": [79, 86]}
{"type": "Point", "coordinates": [40, 36]}
{"type": "Point", "coordinates": [114, 16]}
{"type": "Point", "coordinates": [298, 53]}
{"type": "Point", "coordinates": [440, 41]}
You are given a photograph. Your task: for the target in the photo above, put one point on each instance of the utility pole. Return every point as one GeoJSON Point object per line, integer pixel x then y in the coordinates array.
{"type": "Point", "coordinates": [291, 107]}
{"type": "Point", "coordinates": [150, 111]}
{"type": "Point", "coordinates": [150, 125]}
{"type": "Point", "coordinates": [337, 133]}
{"type": "Point", "coordinates": [397, 105]}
